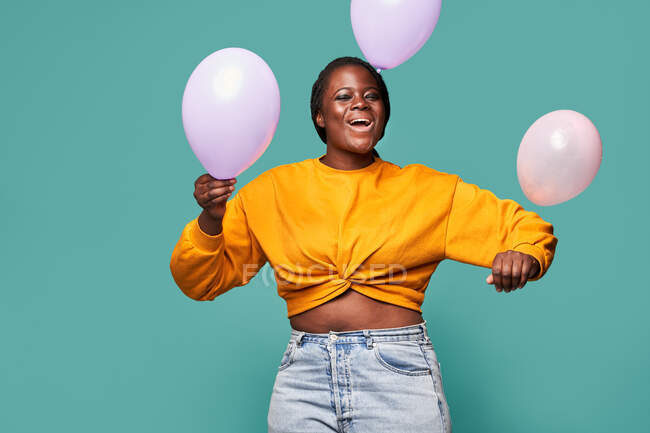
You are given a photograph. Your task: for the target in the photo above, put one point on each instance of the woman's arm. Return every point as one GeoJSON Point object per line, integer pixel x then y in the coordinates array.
{"type": "Point", "coordinates": [209, 225]}
{"type": "Point", "coordinates": [481, 228]}
{"type": "Point", "coordinates": [205, 266]}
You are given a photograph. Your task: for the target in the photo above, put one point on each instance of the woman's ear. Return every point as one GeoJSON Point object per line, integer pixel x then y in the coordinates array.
{"type": "Point", "coordinates": [319, 120]}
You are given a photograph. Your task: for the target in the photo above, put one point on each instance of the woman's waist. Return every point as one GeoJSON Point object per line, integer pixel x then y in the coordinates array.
{"type": "Point", "coordinates": [354, 311]}
{"type": "Point", "coordinates": [417, 333]}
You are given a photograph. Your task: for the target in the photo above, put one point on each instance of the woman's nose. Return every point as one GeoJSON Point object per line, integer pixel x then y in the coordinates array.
{"type": "Point", "coordinates": [359, 104]}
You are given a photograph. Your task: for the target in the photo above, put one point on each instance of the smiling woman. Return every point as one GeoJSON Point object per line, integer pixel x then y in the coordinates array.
{"type": "Point", "coordinates": [353, 241]}
{"type": "Point", "coordinates": [350, 108]}
{"type": "Point", "coordinates": [351, 92]}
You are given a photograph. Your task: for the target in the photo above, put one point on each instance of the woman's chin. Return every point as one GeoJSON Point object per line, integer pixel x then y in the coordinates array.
{"type": "Point", "coordinates": [360, 145]}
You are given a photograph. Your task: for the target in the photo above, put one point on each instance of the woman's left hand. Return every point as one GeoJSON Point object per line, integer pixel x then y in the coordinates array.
{"type": "Point", "coordinates": [511, 270]}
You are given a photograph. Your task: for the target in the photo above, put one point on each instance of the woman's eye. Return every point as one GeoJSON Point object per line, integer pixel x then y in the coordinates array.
{"type": "Point", "coordinates": [342, 97]}
{"type": "Point", "coordinates": [372, 96]}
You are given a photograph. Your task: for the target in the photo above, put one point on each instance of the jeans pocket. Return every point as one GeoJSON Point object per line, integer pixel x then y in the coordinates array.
{"type": "Point", "coordinates": [402, 357]}
{"type": "Point", "coordinates": [287, 356]}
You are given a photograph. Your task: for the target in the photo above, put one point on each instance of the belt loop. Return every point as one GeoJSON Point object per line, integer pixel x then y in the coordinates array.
{"type": "Point", "coordinates": [299, 338]}
{"type": "Point", "coordinates": [366, 333]}
{"type": "Point", "coordinates": [423, 327]}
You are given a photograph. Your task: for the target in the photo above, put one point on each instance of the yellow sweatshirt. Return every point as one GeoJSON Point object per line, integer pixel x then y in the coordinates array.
{"type": "Point", "coordinates": [380, 230]}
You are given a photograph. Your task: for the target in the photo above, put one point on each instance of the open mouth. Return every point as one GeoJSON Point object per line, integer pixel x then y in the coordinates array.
{"type": "Point", "coordinates": [361, 124]}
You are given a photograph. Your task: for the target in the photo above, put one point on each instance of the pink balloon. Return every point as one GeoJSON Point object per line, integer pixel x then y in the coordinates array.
{"type": "Point", "coordinates": [558, 157]}
{"type": "Point", "coordinates": [389, 32]}
{"type": "Point", "coordinates": [231, 108]}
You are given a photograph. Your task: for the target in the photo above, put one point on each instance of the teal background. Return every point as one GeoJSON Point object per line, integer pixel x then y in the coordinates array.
{"type": "Point", "coordinates": [97, 179]}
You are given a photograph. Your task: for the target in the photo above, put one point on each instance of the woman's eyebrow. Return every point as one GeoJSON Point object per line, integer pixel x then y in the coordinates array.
{"type": "Point", "coordinates": [350, 88]}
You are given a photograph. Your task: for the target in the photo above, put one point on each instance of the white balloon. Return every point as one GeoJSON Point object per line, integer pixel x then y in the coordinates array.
{"type": "Point", "coordinates": [558, 157]}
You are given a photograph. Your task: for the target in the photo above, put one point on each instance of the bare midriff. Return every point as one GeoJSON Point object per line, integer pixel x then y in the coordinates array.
{"type": "Point", "coordinates": [352, 311]}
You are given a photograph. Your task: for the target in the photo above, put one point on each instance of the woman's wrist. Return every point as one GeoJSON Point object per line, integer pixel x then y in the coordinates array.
{"type": "Point", "coordinates": [209, 225]}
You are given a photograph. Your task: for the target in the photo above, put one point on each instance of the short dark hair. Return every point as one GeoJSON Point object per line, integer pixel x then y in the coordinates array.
{"type": "Point", "coordinates": [319, 86]}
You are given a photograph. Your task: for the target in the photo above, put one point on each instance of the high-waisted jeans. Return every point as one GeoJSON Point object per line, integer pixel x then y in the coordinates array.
{"type": "Point", "coordinates": [365, 381]}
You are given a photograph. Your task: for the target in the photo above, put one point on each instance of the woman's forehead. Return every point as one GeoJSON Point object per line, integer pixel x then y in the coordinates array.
{"type": "Point", "coordinates": [350, 76]}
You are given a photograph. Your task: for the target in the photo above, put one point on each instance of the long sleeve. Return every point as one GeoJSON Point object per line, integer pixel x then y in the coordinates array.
{"type": "Point", "coordinates": [480, 225]}
{"type": "Point", "coordinates": [205, 266]}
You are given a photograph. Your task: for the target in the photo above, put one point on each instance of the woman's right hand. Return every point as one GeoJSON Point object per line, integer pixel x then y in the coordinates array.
{"type": "Point", "coordinates": [211, 194]}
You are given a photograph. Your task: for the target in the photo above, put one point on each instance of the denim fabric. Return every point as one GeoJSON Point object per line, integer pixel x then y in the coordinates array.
{"type": "Point", "coordinates": [364, 381]}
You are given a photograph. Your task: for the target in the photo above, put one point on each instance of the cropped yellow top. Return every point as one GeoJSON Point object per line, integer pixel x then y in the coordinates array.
{"type": "Point", "coordinates": [380, 230]}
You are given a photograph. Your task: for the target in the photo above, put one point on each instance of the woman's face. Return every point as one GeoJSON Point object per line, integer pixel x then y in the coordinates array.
{"type": "Point", "coordinates": [352, 111]}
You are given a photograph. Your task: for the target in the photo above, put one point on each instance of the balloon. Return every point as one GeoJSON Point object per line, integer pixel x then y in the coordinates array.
{"type": "Point", "coordinates": [231, 108]}
{"type": "Point", "coordinates": [389, 32]}
{"type": "Point", "coordinates": [558, 157]}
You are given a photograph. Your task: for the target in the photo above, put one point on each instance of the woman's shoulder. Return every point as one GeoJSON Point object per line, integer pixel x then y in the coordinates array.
{"type": "Point", "coordinates": [283, 171]}
{"type": "Point", "coordinates": [294, 171]}
{"type": "Point", "coordinates": [419, 171]}
{"type": "Point", "coordinates": [289, 168]}
{"type": "Point", "coordinates": [269, 178]}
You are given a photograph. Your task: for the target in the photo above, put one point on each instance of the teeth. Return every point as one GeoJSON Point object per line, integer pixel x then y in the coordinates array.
{"type": "Point", "coordinates": [363, 121]}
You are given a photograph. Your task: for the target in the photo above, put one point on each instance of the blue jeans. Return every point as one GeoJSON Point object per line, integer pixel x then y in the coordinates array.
{"type": "Point", "coordinates": [364, 381]}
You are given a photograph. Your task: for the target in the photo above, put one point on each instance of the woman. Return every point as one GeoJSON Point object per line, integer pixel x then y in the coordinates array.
{"type": "Point", "coordinates": [353, 241]}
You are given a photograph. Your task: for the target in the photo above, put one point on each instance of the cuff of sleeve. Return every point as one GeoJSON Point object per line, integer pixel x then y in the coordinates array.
{"type": "Point", "coordinates": [536, 252]}
{"type": "Point", "coordinates": [202, 240]}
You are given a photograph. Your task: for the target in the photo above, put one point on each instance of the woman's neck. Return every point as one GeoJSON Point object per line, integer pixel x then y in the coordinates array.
{"type": "Point", "coordinates": [342, 160]}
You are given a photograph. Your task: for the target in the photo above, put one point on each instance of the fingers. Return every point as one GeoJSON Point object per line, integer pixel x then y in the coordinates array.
{"type": "Point", "coordinates": [496, 272]}
{"type": "Point", "coordinates": [217, 193]}
{"type": "Point", "coordinates": [516, 273]}
{"type": "Point", "coordinates": [209, 191]}
{"type": "Point", "coordinates": [525, 270]}
{"type": "Point", "coordinates": [512, 269]}
{"type": "Point", "coordinates": [506, 273]}
{"type": "Point", "coordinates": [218, 200]}
{"type": "Point", "coordinates": [206, 178]}
{"type": "Point", "coordinates": [502, 269]}
{"type": "Point", "coordinates": [217, 183]}
{"type": "Point", "coordinates": [535, 267]}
